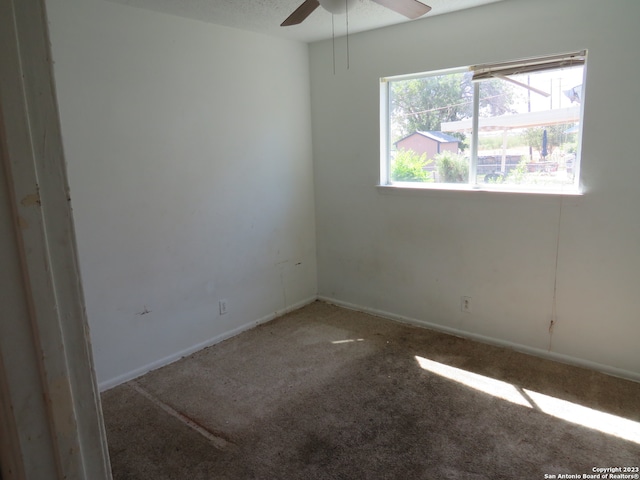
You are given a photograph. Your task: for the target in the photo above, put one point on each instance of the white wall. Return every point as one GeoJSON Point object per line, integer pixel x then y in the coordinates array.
{"type": "Point", "coordinates": [414, 255]}
{"type": "Point", "coordinates": [189, 159]}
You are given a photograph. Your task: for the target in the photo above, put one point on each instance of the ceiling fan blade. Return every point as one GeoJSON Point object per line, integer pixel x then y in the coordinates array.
{"type": "Point", "coordinates": [409, 8]}
{"type": "Point", "coordinates": [300, 13]}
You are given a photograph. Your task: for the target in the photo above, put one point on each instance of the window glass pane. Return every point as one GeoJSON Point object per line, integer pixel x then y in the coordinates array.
{"type": "Point", "coordinates": [528, 128]}
{"type": "Point", "coordinates": [531, 138]}
{"type": "Point", "coordinates": [420, 151]}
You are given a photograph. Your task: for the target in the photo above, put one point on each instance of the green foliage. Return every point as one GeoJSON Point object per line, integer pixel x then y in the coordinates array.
{"type": "Point", "coordinates": [452, 168]}
{"type": "Point", "coordinates": [556, 136]}
{"type": "Point", "coordinates": [408, 166]}
{"type": "Point", "coordinates": [519, 174]}
{"type": "Point", "coordinates": [533, 137]}
{"type": "Point", "coordinates": [486, 142]}
{"type": "Point", "coordinates": [516, 175]}
{"type": "Point", "coordinates": [496, 97]}
{"type": "Point", "coordinates": [422, 104]}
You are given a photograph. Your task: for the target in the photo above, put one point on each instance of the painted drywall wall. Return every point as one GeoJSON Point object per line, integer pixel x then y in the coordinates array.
{"type": "Point", "coordinates": [189, 161]}
{"type": "Point", "coordinates": [413, 256]}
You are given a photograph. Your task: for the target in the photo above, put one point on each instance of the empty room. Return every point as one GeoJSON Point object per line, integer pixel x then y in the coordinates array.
{"type": "Point", "coordinates": [359, 246]}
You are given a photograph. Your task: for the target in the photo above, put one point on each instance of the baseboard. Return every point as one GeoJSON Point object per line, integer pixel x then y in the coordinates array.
{"type": "Point", "coordinates": [114, 382]}
{"type": "Point", "coordinates": [558, 357]}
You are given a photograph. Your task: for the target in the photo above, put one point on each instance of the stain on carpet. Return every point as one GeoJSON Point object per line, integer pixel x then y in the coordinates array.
{"type": "Point", "coordinates": [328, 393]}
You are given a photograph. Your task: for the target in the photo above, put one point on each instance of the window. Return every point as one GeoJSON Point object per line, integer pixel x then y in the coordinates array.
{"type": "Point", "coordinates": [511, 126]}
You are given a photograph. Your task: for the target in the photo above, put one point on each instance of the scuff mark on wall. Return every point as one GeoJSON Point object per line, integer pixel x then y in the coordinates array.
{"type": "Point", "coordinates": [144, 312]}
{"type": "Point", "coordinates": [22, 223]}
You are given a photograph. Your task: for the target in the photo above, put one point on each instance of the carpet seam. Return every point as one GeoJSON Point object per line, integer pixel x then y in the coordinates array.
{"type": "Point", "coordinates": [217, 441]}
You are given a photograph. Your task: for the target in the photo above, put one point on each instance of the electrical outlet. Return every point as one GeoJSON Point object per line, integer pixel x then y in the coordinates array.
{"type": "Point", "coordinates": [222, 304]}
{"type": "Point", "coordinates": [465, 304]}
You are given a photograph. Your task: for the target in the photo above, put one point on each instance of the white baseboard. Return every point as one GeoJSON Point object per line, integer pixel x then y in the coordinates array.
{"type": "Point", "coordinates": [558, 357]}
{"type": "Point", "coordinates": [106, 385]}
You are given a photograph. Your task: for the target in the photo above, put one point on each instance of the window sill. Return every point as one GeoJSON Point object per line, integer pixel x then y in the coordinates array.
{"type": "Point", "coordinates": [461, 189]}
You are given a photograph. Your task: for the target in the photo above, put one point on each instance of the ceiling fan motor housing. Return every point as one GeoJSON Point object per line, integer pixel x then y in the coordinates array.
{"type": "Point", "coordinates": [409, 8]}
{"type": "Point", "coordinates": [337, 7]}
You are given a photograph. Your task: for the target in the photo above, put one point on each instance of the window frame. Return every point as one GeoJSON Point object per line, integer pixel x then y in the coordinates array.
{"type": "Point", "coordinates": [484, 71]}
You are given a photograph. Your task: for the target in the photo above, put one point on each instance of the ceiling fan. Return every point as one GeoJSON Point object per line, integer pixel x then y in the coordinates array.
{"type": "Point", "coordinates": [409, 8]}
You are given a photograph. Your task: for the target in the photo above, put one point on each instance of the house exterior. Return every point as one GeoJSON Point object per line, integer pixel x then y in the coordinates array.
{"type": "Point", "coordinates": [429, 142]}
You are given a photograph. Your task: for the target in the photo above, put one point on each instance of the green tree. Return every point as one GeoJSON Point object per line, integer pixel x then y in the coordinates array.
{"type": "Point", "coordinates": [408, 166]}
{"type": "Point", "coordinates": [533, 137]}
{"type": "Point", "coordinates": [452, 168]}
{"type": "Point", "coordinates": [556, 136]}
{"type": "Point", "coordinates": [424, 103]}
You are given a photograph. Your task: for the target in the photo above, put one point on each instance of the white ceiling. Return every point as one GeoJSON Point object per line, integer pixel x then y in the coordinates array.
{"type": "Point", "coordinates": [265, 16]}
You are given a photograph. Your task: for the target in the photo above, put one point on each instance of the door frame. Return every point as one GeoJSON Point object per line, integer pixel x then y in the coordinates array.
{"type": "Point", "coordinates": [51, 422]}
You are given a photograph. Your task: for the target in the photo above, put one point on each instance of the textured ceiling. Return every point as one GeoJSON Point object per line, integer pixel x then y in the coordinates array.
{"type": "Point", "coordinates": [265, 16]}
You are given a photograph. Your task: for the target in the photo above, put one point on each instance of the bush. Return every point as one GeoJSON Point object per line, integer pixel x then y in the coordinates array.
{"type": "Point", "coordinates": [452, 168]}
{"type": "Point", "coordinates": [518, 174]}
{"type": "Point", "coordinates": [408, 166]}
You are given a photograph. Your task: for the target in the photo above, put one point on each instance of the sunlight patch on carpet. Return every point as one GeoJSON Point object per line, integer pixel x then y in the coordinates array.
{"type": "Point", "coordinates": [587, 417]}
{"type": "Point", "coordinates": [494, 387]}
{"type": "Point", "coordinates": [571, 412]}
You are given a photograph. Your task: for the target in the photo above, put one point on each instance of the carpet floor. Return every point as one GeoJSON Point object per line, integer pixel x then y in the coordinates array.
{"type": "Point", "coordinates": [329, 393]}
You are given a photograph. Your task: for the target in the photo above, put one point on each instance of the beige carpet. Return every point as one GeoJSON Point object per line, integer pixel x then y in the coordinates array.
{"type": "Point", "coordinates": [329, 393]}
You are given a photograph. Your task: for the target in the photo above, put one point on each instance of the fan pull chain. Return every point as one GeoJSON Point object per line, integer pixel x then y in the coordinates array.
{"type": "Point", "coordinates": [346, 4]}
{"type": "Point", "coordinates": [333, 39]}
{"type": "Point", "coordinates": [333, 36]}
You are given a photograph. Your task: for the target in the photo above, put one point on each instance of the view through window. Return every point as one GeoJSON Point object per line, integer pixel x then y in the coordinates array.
{"type": "Point", "coordinates": [505, 126]}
